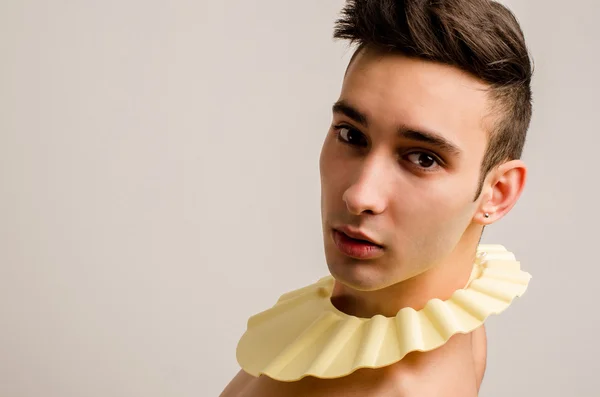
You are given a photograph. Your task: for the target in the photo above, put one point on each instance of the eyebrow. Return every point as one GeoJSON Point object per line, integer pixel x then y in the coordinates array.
{"type": "Point", "coordinates": [432, 139]}
{"type": "Point", "coordinates": [350, 111]}
{"type": "Point", "coordinates": [429, 137]}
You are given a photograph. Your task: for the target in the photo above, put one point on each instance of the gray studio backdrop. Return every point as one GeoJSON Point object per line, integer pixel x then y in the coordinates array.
{"type": "Point", "coordinates": [159, 184]}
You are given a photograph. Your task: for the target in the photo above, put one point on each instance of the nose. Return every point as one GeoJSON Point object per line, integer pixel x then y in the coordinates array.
{"type": "Point", "coordinates": [368, 194]}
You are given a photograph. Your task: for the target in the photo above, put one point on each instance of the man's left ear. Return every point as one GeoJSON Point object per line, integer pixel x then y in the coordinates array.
{"type": "Point", "coordinates": [504, 187]}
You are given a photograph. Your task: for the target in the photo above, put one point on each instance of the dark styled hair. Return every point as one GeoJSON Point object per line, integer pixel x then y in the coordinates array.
{"type": "Point", "coordinates": [481, 37]}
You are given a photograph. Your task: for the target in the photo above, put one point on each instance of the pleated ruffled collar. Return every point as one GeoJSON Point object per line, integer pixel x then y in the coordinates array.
{"type": "Point", "coordinates": [303, 334]}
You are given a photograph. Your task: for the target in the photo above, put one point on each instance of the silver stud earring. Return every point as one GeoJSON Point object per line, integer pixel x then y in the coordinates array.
{"type": "Point", "coordinates": [486, 215]}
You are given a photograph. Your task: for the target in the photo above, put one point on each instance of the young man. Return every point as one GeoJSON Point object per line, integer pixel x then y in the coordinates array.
{"type": "Point", "coordinates": [422, 153]}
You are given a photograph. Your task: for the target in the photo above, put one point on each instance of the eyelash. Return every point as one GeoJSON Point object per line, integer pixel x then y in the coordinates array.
{"type": "Point", "coordinates": [435, 157]}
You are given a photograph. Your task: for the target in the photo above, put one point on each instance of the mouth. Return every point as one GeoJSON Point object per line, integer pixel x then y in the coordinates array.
{"type": "Point", "coordinates": [355, 244]}
{"type": "Point", "coordinates": [357, 235]}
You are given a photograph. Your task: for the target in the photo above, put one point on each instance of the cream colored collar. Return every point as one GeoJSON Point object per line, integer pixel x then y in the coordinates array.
{"type": "Point", "coordinates": [304, 334]}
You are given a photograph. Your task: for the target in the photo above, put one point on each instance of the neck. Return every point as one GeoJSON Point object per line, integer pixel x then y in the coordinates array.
{"type": "Point", "coordinates": [438, 282]}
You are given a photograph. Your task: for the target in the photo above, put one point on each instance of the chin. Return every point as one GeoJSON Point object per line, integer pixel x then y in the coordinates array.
{"type": "Point", "coordinates": [359, 275]}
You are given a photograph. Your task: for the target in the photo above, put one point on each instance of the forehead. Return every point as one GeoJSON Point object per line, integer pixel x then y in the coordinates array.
{"type": "Point", "coordinates": [391, 89]}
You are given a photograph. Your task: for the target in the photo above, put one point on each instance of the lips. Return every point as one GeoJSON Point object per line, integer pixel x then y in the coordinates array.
{"type": "Point", "coordinates": [354, 247]}
{"type": "Point", "coordinates": [357, 235]}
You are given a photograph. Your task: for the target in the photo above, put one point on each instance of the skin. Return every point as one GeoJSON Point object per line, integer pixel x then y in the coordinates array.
{"type": "Point", "coordinates": [415, 197]}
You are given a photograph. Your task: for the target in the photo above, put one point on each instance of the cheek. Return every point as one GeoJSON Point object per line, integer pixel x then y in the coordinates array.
{"type": "Point", "coordinates": [332, 170]}
{"type": "Point", "coordinates": [325, 158]}
{"type": "Point", "coordinates": [428, 226]}
{"type": "Point", "coordinates": [435, 207]}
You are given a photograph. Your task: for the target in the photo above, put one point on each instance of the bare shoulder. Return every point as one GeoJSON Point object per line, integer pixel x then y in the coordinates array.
{"type": "Point", "coordinates": [238, 384]}
{"type": "Point", "coordinates": [479, 342]}
{"type": "Point", "coordinates": [450, 370]}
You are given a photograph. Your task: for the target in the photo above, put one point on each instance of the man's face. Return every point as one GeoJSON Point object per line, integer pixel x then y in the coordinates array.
{"type": "Point", "coordinates": [401, 164]}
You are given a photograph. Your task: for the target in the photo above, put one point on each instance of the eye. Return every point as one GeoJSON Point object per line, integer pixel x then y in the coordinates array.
{"type": "Point", "coordinates": [423, 160]}
{"type": "Point", "coordinates": [350, 136]}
